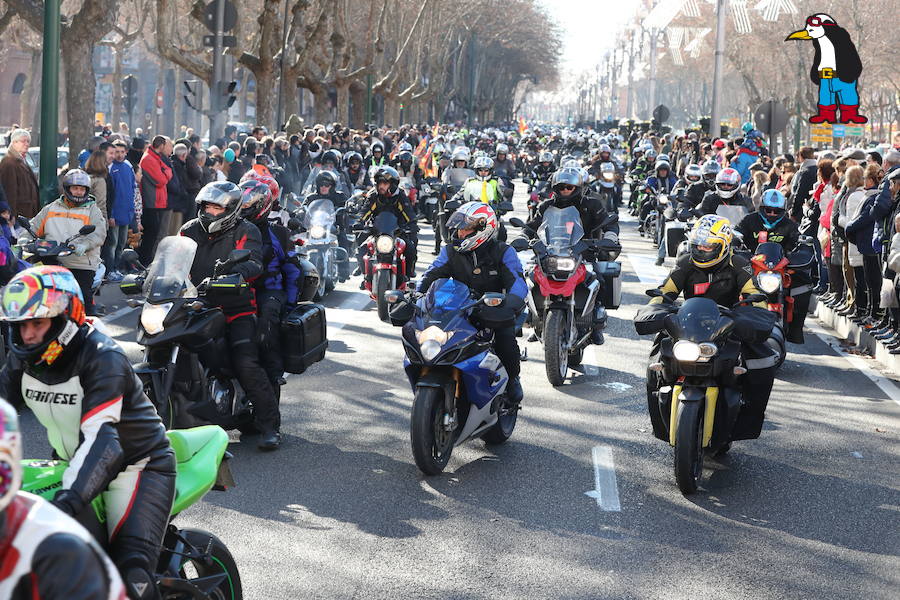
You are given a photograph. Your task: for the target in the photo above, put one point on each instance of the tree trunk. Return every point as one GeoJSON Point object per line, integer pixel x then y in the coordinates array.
{"type": "Point", "coordinates": [80, 92]}
{"type": "Point", "coordinates": [342, 114]}
{"type": "Point", "coordinates": [266, 94]}
{"type": "Point", "coordinates": [321, 107]}
{"type": "Point", "coordinates": [358, 111]}
{"type": "Point", "coordinates": [391, 111]}
{"type": "Point", "coordinates": [29, 92]}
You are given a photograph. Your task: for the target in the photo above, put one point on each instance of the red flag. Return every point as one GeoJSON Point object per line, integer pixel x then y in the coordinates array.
{"type": "Point", "coordinates": [522, 125]}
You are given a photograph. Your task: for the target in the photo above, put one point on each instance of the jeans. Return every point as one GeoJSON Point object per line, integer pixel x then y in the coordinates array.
{"type": "Point", "coordinates": [834, 91]}
{"type": "Point", "coordinates": [85, 279]}
{"type": "Point", "coordinates": [116, 236]}
{"type": "Point", "coordinates": [872, 276]}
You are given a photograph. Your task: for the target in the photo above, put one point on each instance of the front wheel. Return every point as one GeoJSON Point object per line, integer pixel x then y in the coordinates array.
{"type": "Point", "coordinates": [218, 561]}
{"type": "Point", "coordinates": [382, 284]}
{"type": "Point", "coordinates": [556, 347]}
{"type": "Point", "coordinates": [689, 447]}
{"type": "Point", "coordinates": [164, 406]}
{"type": "Point", "coordinates": [323, 278]}
{"type": "Point", "coordinates": [502, 430]}
{"type": "Point", "coordinates": [432, 443]}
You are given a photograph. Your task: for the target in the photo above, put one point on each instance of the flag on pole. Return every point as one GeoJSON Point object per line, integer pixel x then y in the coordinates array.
{"type": "Point", "coordinates": [522, 125]}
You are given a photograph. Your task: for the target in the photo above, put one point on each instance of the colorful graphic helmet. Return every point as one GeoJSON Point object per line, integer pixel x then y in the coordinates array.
{"type": "Point", "coordinates": [483, 163]}
{"type": "Point", "coordinates": [274, 188]}
{"type": "Point", "coordinates": [10, 454]}
{"type": "Point", "coordinates": [710, 241]}
{"type": "Point", "coordinates": [43, 292]}
{"type": "Point", "coordinates": [477, 216]}
{"type": "Point", "coordinates": [256, 201]}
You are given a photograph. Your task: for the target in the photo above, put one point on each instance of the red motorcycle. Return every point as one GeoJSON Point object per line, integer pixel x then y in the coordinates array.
{"type": "Point", "coordinates": [385, 261]}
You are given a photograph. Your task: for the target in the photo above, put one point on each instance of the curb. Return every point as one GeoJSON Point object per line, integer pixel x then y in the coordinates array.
{"type": "Point", "coordinates": [847, 329]}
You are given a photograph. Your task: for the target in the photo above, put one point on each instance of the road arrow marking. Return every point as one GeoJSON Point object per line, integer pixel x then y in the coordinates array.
{"type": "Point", "coordinates": [605, 491]}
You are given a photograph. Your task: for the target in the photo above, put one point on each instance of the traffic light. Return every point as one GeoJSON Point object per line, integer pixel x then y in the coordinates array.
{"type": "Point", "coordinates": [226, 95]}
{"type": "Point", "coordinates": [193, 93]}
{"type": "Point", "coordinates": [129, 93]}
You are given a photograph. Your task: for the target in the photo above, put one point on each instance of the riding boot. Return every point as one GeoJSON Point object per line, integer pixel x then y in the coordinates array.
{"type": "Point", "coordinates": [599, 325]}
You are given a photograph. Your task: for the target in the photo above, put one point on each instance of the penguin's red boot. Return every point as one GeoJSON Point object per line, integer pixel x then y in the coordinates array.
{"type": "Point", "coordinates": [849, 114]}
{"type": "Point", "coordinates": [827, 114]}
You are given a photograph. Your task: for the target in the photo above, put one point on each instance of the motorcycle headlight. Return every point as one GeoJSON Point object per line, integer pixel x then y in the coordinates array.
{"type": "Point", "coordinates": [769, 282]}
{"type": "Point", "coordinates": [555, 263]}
{"type": "Point", "coordinates": [317, 232]}
{"type": "Point", "coordinates": [692, 352]}
{"type": "Point", "coordinates": [430, 349]}
{"type": "Point", "coordinates": [153, 315]}
{"type": "Point", "coordinates": [433, 333]}
{"type": "Point", "coordinates": [663, 199]}
{"type": "Point", "coordinates": [384, 244]}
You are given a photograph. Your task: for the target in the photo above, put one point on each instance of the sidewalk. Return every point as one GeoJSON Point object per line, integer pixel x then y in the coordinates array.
{"type": "Point", "coordinates": [846, 329]}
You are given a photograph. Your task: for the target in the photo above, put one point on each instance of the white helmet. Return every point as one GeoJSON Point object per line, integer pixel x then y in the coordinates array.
{"type": "Point", "coordinates": [727, 182]}
{"type": "Point", "coordinates": [10, 454]}
{"type": "Point", "coordinates": [477, 216]}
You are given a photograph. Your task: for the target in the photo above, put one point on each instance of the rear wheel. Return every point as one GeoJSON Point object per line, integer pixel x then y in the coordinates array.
{"type": "Point", "coordinates": [556, 350]}
{"type": "Point", "coordinates": [218, 561]}
{"type": "Point", "coordinates": [689, 447]}
{"type": "Point", "coordinates": [432, 443]}
{"type": "Point", "coordinates": [382, 284]}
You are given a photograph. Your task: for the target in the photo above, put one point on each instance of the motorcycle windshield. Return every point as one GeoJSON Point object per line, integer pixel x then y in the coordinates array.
{"type": "Point", "coordinates": [169, 275]}
{"type": "Point", "coordinates": [309, 187]}
{"type": "Point", "coordinates": [772, 251]}
{"type": "Point", "coordinates": [442, 304]}
{"type": "Point", "coordinates": [698, 320]}
{"type": "Point", "coordinates": [386, 223]}
{"type": "Point", "coordinates": [732, 212]}
{"type": "Point", "coordinates": [560, 230]}
{"type": "Point", "coordinates": [457, 177]}
{"type": "Point", "coordinates": [320, 213]}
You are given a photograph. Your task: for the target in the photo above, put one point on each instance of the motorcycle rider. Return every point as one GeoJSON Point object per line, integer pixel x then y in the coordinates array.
{"type": "Point", "coordinates": [219, 229]}
{"type": "Point", "coordinates": [693, 173]}
{"type": "Point", "coordinates": [326, 187]}
{"type": "Point", "coordinates": [46, 553]}
{"type": "Point", "coordinates": [504, 168]}
{"type": "Point", "coordinates": [727, 193]}
{"type": "Point", "coordinates": [82, 389]}
{"type": "Point", "coordinates": [770, 218]}
{"type": "Point", "coordinates": [408, 168]}
{"type": "Point", "coordinates": [387, 196]}
{"type": "Point", "coordinates": [354, 175]}
{"type": "Point", "coordinates": [477, 258]}
{"type": "Point", "coordinates": [568, 190]}
{"type": "Point", "coordinates": [62, 218]}
{"type": "Point", "coordinates": [694, 193]}
{"type": "Point", "coordinates": [711, 270]}
{"type": "Point", "coordinates": [376, 156]}
{"type": "Point", "coordinates": [663, 181]}
{"type": "Point", "coordinates": [278, 288]}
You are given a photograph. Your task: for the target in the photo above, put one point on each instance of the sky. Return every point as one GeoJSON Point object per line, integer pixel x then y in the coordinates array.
{"type": "Point", "coordinates": [589, 28]}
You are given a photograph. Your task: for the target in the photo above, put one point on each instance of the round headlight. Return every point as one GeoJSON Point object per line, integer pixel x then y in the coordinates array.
{"type": "Point", "coordinates": [769, 282]}
{"type": "Point", "coordinates": [430, 349]}
{"type": "Point", "coordinates": [153, 315]}
{"type": "Point", "coordinates": [317, 231]}
{"type": "Point", "coordinates": [686, 351]}
{"type": "Point", "coordinates": [384, 244]}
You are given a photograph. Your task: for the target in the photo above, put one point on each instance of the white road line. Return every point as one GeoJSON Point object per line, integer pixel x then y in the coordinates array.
{"type": "Point", "coordinates": [118, 314]}
{"type": "Point", "coordinates": [356, 302]}
{"type": "Point", "coordinates": [645, 268]}
{"type": "Point", "coordinates": [886, 385]}
{"type": "Point", "coordinates": [605, 491]}
{"type": "Point", "coordinates": [591, 367]}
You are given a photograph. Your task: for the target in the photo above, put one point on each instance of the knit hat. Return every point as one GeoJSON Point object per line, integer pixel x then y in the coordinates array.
{"type": "Point", "coordinates": [228, 155]}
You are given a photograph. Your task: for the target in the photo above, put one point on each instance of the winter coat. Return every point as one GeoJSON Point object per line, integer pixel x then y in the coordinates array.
{"type": "Point", "coordinates": [20, 185]}
{"type": "Point", "coordinates": [121, 206]}
{"type": "Point", "coordinates": [859, 229]}
{"type": "Point", "coordinates": [58, 221]}
{"type": "Point", "coordinates": [156, 176]}
{"type": "Point", "coordinates": [850, 210]}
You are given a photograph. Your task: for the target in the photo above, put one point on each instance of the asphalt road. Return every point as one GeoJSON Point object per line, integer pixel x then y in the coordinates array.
{"type": "Point", "coordinates": [809, 510]}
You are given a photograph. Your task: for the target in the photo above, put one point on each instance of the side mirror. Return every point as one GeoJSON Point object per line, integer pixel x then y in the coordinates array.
{"type": "Point", "coordinates": [393, 296]}
{"type": "Point", "coordinates": [23, 223]}
{"type": "Point", "coordinates": [293, 224]}
{"type": "Point", "coordinates": [87, 230]}
{"type": "Point", "coordinates": [516, 222]}
{"type": "Point", "coordinates": [493, 299]}
{"type": "Point", "coordinates": [519, 244]}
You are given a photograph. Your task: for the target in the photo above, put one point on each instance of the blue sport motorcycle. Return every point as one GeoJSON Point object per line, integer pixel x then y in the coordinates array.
{"type": "Point", "coordinates": [459, 383]}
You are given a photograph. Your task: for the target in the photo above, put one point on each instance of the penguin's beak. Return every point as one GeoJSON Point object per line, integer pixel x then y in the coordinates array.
{"type": "Point", "coordinates": [799, 35]}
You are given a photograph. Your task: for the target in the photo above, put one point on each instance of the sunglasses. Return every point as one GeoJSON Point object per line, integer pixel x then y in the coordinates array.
{"type": "Point", "coordinates": [567, 188]}
{"type": "Point", "coordinates": [817, 22]}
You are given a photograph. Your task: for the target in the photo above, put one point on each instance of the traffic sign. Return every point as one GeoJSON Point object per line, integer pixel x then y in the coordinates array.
{"type": "Point", "coordinates": [837, 131]}
{"type": "Point", "coordinates": [854, 130]}
{"type": "Point", "coordinates": [159, 98]}
{"type": "Point", "coordinates": [209, 16]}
{"type": "Point", "coordinates": [770, 117]}
{"type": "Point", "coordinates": [661, 113]}
{"type": "Point", "coordinates": [129, 85]}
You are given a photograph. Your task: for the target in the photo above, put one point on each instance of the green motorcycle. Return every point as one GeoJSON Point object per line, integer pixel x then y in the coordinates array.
{"type": "Point", "coordinates": [193, 563]}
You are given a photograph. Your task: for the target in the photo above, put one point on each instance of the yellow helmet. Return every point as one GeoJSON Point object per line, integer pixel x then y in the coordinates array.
{"type": "Point", "coordinates": [710, 241]}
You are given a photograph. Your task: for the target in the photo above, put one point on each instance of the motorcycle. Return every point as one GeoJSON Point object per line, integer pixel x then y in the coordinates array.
{"type": "Point", "coordinates": [192, 563]}
{"type": "Point", "coordinates": [458, 382]}
{"type": "Point", "coordinates": [384, 261]}
{"type": "Point", "coordinates": [453, 181]}
{"type": "Point", "coordinates": [563, 291]}
{"type": "Point", "coordinates": [695, 402]}
{"type": "Point", "coordinates": [774, 273]}
{"type": "Point", "coordinates": [428, 199]}
{"type": "Point", "coordinates": [175, 318]}
{"type": "Point", "coordinates": [322, 245]}
{"type": "Point", "coordinates": [538, 192]}
{"type": "Point", "coordinates": [47, 252]}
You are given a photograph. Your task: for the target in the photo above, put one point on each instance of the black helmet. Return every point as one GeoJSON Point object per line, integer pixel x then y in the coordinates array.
{"type": "Point", "coordinates": [405, 156]}
{"type": "Point", "coordinates": [351, 156]}
{"type": "Point", "coordinates": [332, 156]}
{"type": "Point", "coordinates": [563, 178]}
{"type": "Point", "coordinates": [390, 175]}
{"type": "Point", "coordinates": [710, 170]}
{"type": "Point", "coordinates": [326, 177]}
{"type": "Point", "coordinates": [224, 194]}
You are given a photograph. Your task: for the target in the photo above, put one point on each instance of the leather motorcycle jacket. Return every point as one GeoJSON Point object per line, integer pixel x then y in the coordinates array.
{"type": "Point", "coordinates": [785, 232]}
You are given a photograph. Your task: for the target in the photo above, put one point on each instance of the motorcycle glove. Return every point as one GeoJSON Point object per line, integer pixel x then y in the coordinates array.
{"type": "Point", "coordinates": [68, 502]}
{"type": "Point", "coordinates": [79, 249]}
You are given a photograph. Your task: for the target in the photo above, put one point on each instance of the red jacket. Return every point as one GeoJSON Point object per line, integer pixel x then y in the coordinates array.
{"type": "Point", "coordinates": [155, 176]}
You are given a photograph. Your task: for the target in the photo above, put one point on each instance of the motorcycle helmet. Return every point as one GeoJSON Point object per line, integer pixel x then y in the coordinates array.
{"type": "Point", "coordinates": [772, 208]}
{"type": "Point", "coordinates": [10, 454]}
{"type": "Point", "coordinates": [76, 177]}
{"type": "Point", "coordinates": [353, 157]}
{"type": "Point", "coordinates": [662, 165]}
{"type": "Point", "coordinates": [483, 167]}
{"type": "Point", "coordinates": [478, 217]}
{"type": "Point", "coordinates": [567, 180]}
{"type": "Point", "coordinates": [604, 148]}
{"type": "Point", "coordinates": [390, 175]}
{"type": "Point", "coordinates": [710, 170]}
{"type": "Point", "coordinates": [607, 171]}
{"type": "Point", "coordinates": [376, 146]}
{"type": "Point", "coordinates": [693, 173]}
{"type": "Point", "coordinates": [747, 127]}
{"type": "Point", "coordinates": [43, 292]}
{"type": "Point", "coordinates": [650, 155]}
{"type": "Point", "coordinates": [545, 158]}
{"type": "Point", "coordinates": [256, 201]}
{"type": "Point", "coordinates": [637, 152]}
{"type": "Point", "coordinates": [274, 188]}
{"type": "Point", "coordinates": [727, 182]}
{"type": "Point", "coordinates": [460, 153]}
{"type": "Point", "coordinates": [405, 147]}
{"type": "Point", "coordinates": [326, 178]}
{"type": "Point", "coordinates": [331, 157]}
{"type": "Point", "coordinates": [225, 195]}
{"type": "Point", "coordinates": [663, 157]}
{"type": "Point", "coordinates": [502, 149]}
{"type": "Point", "coordinates": [405, 158]}
{"type": "Point", "coordinates": [710, 241]}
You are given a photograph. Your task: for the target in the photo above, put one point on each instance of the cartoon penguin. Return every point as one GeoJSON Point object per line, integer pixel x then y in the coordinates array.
{"type": "Point", "coordinates": [836, 69]}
